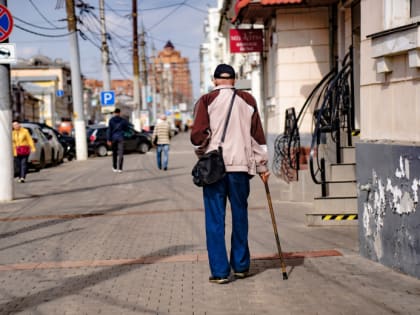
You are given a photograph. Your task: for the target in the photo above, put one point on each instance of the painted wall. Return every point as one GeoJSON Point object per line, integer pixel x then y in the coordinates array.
{"type": "Point", "coordinates": [302, 60]}
{"type": "Point", "coordinates": [388, 177]}
{"type": "Point", "coordinates": [390, 73]}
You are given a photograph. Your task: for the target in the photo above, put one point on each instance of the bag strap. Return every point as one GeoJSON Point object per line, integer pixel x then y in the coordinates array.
{"type": "Point", "coordinates": [227, 118]}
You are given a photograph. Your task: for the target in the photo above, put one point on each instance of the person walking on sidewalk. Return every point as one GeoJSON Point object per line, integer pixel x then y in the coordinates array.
{"type": "Point", "coordinates": [23, 145]}
{"type": "Point", "coordinates": [244, 154]}
{"type": "Point", "coordinates": [162, 137]}
{"type": "Point", "coordinates": [115, 138]}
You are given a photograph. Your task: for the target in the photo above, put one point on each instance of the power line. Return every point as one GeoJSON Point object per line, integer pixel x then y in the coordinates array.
{"type": "Point", "coordinates": [41, 27]}
{"type": "Point", "coordinates": [146, 9]}
{"type": "Point", "coordinates": [40, 13]}
{"type": "Point", "coordinates": [195, 8]}
{"type": "Point", "coordinates": [167, 15]}
{"type": "Point", "coordinates": [40, 34]}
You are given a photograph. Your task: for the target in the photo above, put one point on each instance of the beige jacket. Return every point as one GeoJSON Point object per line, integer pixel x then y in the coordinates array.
{"type": "Point", "coordinates": [163, 132]}
{"type": "Point", "coordinates": [244, 148]}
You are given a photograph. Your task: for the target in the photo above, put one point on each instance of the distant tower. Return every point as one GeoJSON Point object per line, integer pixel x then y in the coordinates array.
{"type": "Point", "coordinates": [173, 78]}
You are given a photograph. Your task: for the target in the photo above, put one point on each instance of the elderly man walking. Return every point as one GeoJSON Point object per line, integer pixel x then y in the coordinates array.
{"type": "Point", "coordinates": [244, 154]}
{"type": "Point", "coordinates": [162, 137]}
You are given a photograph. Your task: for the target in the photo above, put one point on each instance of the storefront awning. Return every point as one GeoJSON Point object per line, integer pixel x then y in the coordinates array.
{"type": "Point", "coordinates": [248, 11]}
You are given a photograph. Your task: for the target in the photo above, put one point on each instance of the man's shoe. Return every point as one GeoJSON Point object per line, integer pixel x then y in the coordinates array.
{"type": "Point", "coordinates": [241, 275]}
{"type": "Point", "coordinates": [114, 170]}
{"type": "Point", "coordinates": [119, 171]}
{"type": "Point", "coordinates": [218, 280]}
{"type": "Point", "coordinates": [165, 168]}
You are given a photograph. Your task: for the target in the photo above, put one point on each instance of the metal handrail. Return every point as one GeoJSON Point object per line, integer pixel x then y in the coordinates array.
{"type": "Point", "coordinates": [335, 95]}
{"type": "Point", "coordinates": [286, 160]}
{"type": "Point", "coordinates": [334, 114]}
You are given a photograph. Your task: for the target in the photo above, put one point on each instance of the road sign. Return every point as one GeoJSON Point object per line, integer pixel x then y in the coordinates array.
{"type": "Point", "coordinates": [8, 53]}
{"type": "Point", "coordinates": [59, 93]}
{"type": "Point", "coordinates": [107, 98]}
{"type": "Point", "coordinates": [6, 23]}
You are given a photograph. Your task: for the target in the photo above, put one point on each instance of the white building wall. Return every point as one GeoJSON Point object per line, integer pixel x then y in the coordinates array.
{"type": "Point", "coordinates": [390, 85]}
{"type": "Point", "coordinates": [215, 49]}
{"type": "Point", "coordinates": [302, 60]}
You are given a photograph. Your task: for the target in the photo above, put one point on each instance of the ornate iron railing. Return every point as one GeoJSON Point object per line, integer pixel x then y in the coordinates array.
{"type": "Point", "coordinates": [333, 116]}
{"type": "Point", "coordinates": [331, 102]}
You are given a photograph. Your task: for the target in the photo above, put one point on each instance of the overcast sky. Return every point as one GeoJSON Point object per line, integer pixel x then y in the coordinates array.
{"type": "Point", "coordinates": [179, 21]}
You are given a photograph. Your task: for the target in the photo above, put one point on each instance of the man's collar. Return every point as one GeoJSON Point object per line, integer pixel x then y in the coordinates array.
{"type": "Point", "coordinates": [225, 86]}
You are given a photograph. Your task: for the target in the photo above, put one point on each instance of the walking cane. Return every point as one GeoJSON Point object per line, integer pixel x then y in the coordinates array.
{"type": "Point", "coordinates": [273, 220]}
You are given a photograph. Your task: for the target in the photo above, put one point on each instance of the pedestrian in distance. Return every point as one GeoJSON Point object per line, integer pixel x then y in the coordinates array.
{"type": "Point", "coordinates": [162, 138]}
{"type": "Point", "coordinates": [115, 138]}
{"type": "Point", "coordinates": [244, 154]}
{"type": "Point", "coordinates": [23, 145]}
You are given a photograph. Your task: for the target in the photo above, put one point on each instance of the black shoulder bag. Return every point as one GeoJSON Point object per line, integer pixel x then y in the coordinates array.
{"type": "Point", "coordinates": [210, 168]}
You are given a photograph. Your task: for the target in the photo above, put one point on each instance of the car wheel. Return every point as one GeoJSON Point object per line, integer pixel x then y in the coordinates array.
{"type": "Point", "coordinates": [102, 150]}
{"type": "Point", "coordinates": [42, 160]}
{"type": "Point", "coordinates": [54, 160]}
{"type": "Point", "coordinates": [142, 147]}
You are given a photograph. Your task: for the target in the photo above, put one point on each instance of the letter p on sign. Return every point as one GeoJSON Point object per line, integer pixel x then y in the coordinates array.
{"type": "Point", "coordinates": [108, 98]}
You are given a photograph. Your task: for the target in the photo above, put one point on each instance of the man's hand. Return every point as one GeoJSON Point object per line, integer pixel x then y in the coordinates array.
{"type": "Point", "coordinates": [264, 176]}
{"type": "Point", "coordinates": [109, 143]}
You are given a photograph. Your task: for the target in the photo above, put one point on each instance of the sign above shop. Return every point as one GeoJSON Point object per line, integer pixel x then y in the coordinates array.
{"type": "Point", "coordinates": [246, 40]}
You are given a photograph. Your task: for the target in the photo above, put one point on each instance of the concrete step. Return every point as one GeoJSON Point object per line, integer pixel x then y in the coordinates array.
{"type": "Point", "coordinates": [335, 205]}
{"type": "Point", "coordinates": [333, 211]}
{"type": "Point", "coordinates": [341, 172]}
{"type": "Point", "coordinates": [342, 189]}
{"type": "Point", "coordinates": [348, 155]}
{"type": "Point", "coordinates": [320, 220]}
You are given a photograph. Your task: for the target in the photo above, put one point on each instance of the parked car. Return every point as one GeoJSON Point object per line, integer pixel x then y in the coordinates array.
{"type": "Point", "coordinates": [43, 154]}
{"type": "Point", "coordinates": [134, 141]}
{"type": "Point", "coordinates": [68, 142]}
{"type": "Point", "coordinates": [57, 148]}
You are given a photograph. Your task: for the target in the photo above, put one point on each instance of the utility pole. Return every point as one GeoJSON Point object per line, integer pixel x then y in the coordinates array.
{"type": "Point", "coordinates": [106, 77]}
{"type": "Point", "coordinates": [144, 68]}
{"type": "Point", "coordinates": [76, 79]}
{"type": "Point", "coordinates": [6, 156]}
{"type": "Point", "coordinates": [136, 71]}
{"type": "Point", "coordinates": [154, 114]}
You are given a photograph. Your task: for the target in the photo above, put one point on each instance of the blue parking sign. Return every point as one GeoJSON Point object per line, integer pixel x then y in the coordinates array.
{"type": "Point", "coordinates": [108, 98]}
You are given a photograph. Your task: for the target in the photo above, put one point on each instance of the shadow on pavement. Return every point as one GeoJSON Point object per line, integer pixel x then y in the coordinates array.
{"type": "Point", "coordinates": [75, 284]}
{"type": "Point", "coordinates": [84, 189]}
{"type": "Point", "coordinates": [58, 219]}
{"type": "Point", "coordinates": [259, 266]}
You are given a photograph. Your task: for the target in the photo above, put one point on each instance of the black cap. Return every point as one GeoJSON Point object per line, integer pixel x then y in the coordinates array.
{"type": "Point", "coordinates": [224, 71]}
{"type": "Point", "coordinates": [117, 110]}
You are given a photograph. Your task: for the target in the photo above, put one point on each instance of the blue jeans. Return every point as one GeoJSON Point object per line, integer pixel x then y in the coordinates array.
{"type": "Point", "coordinates": [234, 186]}
{"type": "Point", "coordinates": [21, 162]}
{"type": "Point", "coordinates": [165, 149]}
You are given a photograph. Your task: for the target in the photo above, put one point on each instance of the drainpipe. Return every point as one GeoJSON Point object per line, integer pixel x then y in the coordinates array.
{"type": "Point", "coordinates": [332, 21]}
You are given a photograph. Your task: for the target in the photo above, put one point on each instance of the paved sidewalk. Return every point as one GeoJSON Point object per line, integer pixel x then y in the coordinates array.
{"type": "Point", "coordinates": [80, 239]}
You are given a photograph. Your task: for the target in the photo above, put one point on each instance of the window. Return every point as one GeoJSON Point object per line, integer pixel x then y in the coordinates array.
{"type": "Point", "coordinates": [414, 8]}
{"type": "Point", "coordinates": [397, 13]}
{"type": "Point", "coordinates": [401, 12]}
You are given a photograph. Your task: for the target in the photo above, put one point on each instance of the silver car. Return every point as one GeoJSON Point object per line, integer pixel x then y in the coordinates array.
{"type": "Point", "coordinates": [43, 154]}
{"type": "Point", "coordinates": [57, 148]}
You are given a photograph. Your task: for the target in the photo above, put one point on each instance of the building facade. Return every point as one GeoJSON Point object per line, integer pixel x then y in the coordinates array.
{"type": "Point", "coordinates": [49, 81]}
{"type": "Point", "coordinates": [172, 79]}
{"type": "Point", "coordinates": [341, 89]}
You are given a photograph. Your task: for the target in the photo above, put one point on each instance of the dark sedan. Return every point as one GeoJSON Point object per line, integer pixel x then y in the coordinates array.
{"type": "Point", "coordinates": [134, 141]}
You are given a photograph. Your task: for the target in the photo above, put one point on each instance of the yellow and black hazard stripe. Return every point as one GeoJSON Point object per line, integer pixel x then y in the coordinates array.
{"type": "Point", "coordinates": [339, 217]}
